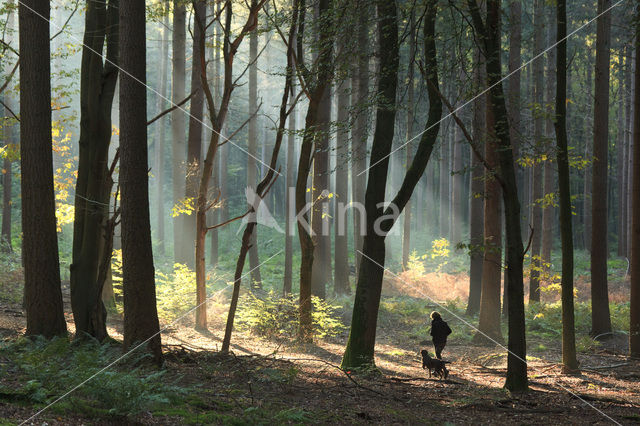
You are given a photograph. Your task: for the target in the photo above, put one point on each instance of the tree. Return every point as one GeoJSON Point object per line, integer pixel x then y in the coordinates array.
{"type": "Point", "coordinates": [138, 279]}
{"type": "Point", "coordinates": [160, 135]}
{"type": "Point", "coordinates": [269, 179]}
{"type": "Point", "coordinates": [341, 240]}
{"type": "Point", "coordinates": [7, 183]}
{"type": "Point", "coordinates": [317, 85]}
{"type": "Point", "coordinates": [489, 32]}
{"type": "Point", "coordinates": [406, 227]}
{"type": "Point", "coordinates": [91, 241]}
{"type": "Point", "coordinates": [290, 181]}
{"type": "Point", "coordinates": [252, 148]}
{"type": "Point", "coordinates": [569, 361]}
{"type": "Point", "coordinates": [538, 170]}
{"type": "Point", "coordinates": [634, 319]}
{"type": "Point", "coordinates": [42, 293]}
{"type": "Point", "coordinates": [379, 219]}
{"type": "Point", "coordinates": [600, 318]}
{"type": "Point", "coordinates": [217, 117]}
{"type": "Point", "coordinates": [476, 220]}
{"type": "Point", "coordinates": [359, 132]}
{"type": "Point", "coordinates": [178, 124]}
{"type": "Point", "coordinates": [194, 136]}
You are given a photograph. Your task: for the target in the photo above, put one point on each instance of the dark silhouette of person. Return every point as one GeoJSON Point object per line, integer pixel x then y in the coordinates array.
{"type": "Point", "coordinates": [439, 332]}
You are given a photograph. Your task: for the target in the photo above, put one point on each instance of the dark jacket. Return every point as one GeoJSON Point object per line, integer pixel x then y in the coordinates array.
{"type": "Point", "coordinates": [439, 330]}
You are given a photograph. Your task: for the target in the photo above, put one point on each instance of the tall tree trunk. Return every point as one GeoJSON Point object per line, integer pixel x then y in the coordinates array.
{"type": "Point", "coordinates": [631, 143]}
{"type": "Point", "coordinates": [489, 319]}
{"type": "Point", "coordinates": [588, 171]}
{"type": "Point", "coordinates": [289, 200]}
{"type": "Point", "coordinates": [516, 358]}
{"type": "Point", "coordinates": [42, 293]}
{"type": "Point", "coordinates": [445, 175]}
{"type": "Point", "coordinates": [178, 125]}
{"type": "Point", "coordinates": [600, 318]}
{"type": "Point", "coordinates": [359, 133]}
{"type": "Point", "coordinates": [538, 143]}
{"type": "Point", "coordinates": [320, 225]}
{"type": "Point", "coordinates": [312, 121]}
{"type": "Point", "coordinates": [138, 280]}
{"type": "Point", "coordinates": [634, 235]}
{"type": "Point", "coordinates": [621, 155]}
{"type": "Point", "coordinates": [550, 187]}
{"type": "Point", "coordinates": [476, 222]}
{"type": "Point", "coordinates": [569, 361]}
{"type": "Point", "coordinates": [7, 182]}
{"type": "Point", "coordinates": [406, 228]}
{"type": "Point", "coordinates": [360, 346]}
{"type": "Point", "coordinates": [620, 158]}
{"type": "Point", "coordinates": [93, 185]}
{"type": "Point", "coordinates": [514, 90]}
{"type": "Point", "coordinates": [252, 150]}
{"type": "Point", "coordinates": [160, 129]}
{"type": "Point", "coordinates": [194, 138]}
{"type": "Point", "coordinates": [341, 240]}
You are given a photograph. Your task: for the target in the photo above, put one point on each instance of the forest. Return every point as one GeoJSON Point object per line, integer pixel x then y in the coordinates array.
{"type": "Point", "coordinates": [319, 212]}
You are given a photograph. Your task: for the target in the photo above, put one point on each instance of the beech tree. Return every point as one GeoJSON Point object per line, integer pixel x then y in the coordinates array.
{"type": "Point", "coordinates": [634, 321]}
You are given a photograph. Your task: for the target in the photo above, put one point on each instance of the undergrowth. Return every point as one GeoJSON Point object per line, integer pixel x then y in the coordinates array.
{"type": "Point", "coordinates": [39, 371]}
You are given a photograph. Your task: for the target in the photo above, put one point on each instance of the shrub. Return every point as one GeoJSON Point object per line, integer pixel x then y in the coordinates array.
{"type": "Point", "coordinates": [273, 316]}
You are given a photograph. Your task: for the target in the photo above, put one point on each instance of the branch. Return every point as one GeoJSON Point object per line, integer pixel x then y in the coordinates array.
{"type": "Point", "coordinates": [167, 111]}
{"type": "Point", "coordinates": [64, 26]}
{"type": "Point", "coordinates": [10, 76]}
{"type": "Point", "coordinates": [10, 111]}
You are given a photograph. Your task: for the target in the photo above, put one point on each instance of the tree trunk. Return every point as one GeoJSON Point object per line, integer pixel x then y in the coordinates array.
{"type": "Point", "coordinates": [290, 207]}
{"type": "Point", "coordinates": [634, 236]}
{"type": "Point", "coordinates": [476, 222]}
{"type": "Point", "coordinates": [252, 150]}
{"type": "Point", "coordinates": [7, 182]}
{"type": "Point", "coordinates": [514, 94]}
{"type": "Point", "coordinates": [93, 185]}
{"type": "Point", "coordinates": [538, 143]}
{"type": "Point", "coordinates": [550, 187]}
{"type": "Point", "coordinates": [194, 138]}
{"type": "Point", "coordinates": [42, 293]}
{"type": "Point", "coordinates": [516, 358]}
{"type": "Point", "coordinates": [445, 174]}
{"type": "Point", "coordinates": [489, 319]}
{"type": "Point", "coordinates": [406, 228]}
{"type": "Point", "coordinates": [320, 225]}
{"type": "Point", "coordinates": [569, 361]}
{"type": "Point", "coordinates": [160, 129]}
{"type": "Point", "coordinates": [600, 318]}
{"type": "Point", "coordinates": [621, 158]}
{"type": "Point", "coordinates": [178, 126]}
{"type": "Point", "coordinates": [341, 240]}
{"type": "Point", "coordinates": [360, 346]}
{"type": "Point", "coordinates": [630, 146]}
{"type": "Point", "coordinates": [588, 170]}
{"type": "Point", "coordinates": [359, 133]}
{"type": "Point", "coordinates": [138, 281]}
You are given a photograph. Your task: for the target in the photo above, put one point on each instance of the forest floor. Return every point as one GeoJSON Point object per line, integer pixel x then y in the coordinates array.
{"type": "Point", "coordinates": [267, 382]}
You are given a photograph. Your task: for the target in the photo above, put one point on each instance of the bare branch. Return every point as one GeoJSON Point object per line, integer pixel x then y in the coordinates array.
{"type": "Point", "coordinates": [167, 111]}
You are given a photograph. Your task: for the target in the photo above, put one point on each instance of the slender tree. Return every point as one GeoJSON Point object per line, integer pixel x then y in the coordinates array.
{"type": "Point", "coordinates": [160, 129]}
{"type": "Point", "coordinates": [569, 361]}
{"type": "Point", "coordinates": [194, 136]}
{"type": "Point", "coordinates": [252, 149]}
{"type": "Point", "coordinates": [7, 183]}
{"type": "Point", "coordinates": [476, 221]}
{"type": "Point", "coordinates": [634, 319]}
{"type": "Point", "coordinates": [42, 293]}
{"type": "Point", "coordinates": [138, 280]}
{"type": "Point", "coordinates": [406, 227]}
{"type": "Point", "coordinates": [489, 32]}
{"type": "Point", "coordinates": [600, 317]}
{"type": "Point", "coordinates": [178, 147]}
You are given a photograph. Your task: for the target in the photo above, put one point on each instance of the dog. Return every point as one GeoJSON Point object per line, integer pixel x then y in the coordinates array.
{"type": "Point", "coordinates": [437, 366]}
